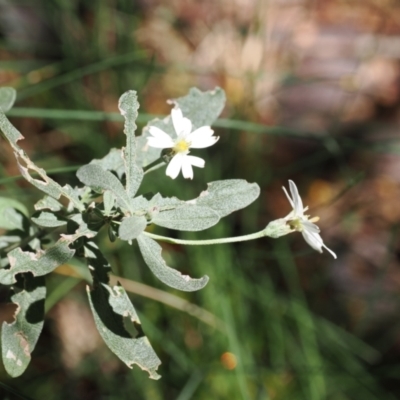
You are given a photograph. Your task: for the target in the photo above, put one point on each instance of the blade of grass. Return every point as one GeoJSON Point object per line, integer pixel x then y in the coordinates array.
{"type": "Point", "coordinates": [191, 385]}
{"type": "Point", "coordinates": [78, 73]}
{"type": "Point", "coordinates": [305, 325]}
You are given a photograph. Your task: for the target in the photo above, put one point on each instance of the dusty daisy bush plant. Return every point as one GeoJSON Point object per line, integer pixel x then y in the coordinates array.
{"type": "Point", "coordinates": [67, 219]}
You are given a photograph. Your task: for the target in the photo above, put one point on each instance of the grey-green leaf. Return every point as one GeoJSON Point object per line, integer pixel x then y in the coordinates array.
{"type": "Point", "coordinates": [202, 108]}
{"type": "Point", "coordinates": [151, 252]}
{"type": "Point", "coordinates": [11, 219]}
{"type": "Point", "coordinates": [128, 106]}
{"type": "Point", "coordinates": [113, 161]}
{"type": "Point", "coordinates": [7, 98]}
{"type": "Point", "coordinates": [47, 219]}
{"type": "Point", "coordinates": [48, 203]}
{"type": "Point", "coordinates": [45, 183]}
{"type": "Point", "coordinates": [132, 227]}
{"type": "Point", "coordinates": [108, 201]}
{"type": "Point", "coordinates": [228, 196]}
{"type": "Point", "coordinates": [19, 338]}
{"type": "Point", "coordinates": [187, 217]}
{"type": "Point", "coordinates": [37, 264]}
{"type": "Point", "coordinates": [99, 180]}
{"type": "Point", "coordinates": [119, 326]}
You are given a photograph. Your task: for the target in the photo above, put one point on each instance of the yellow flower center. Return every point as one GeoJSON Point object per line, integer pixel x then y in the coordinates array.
{"type": "Point", "coordinates": [181, 146]}
{"type": "Point", "coordinates": [296, 223]}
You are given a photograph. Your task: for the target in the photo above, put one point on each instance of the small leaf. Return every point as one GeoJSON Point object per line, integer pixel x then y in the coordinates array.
{"type": "Point", "coordinates": [99, 180]}
{"type": "Point", "coordinates": [120, 327]}
{"type": "Point", "coordinates": [113, 161]}
{"type": "Point", "coordinates": [37, 264]}
{"type": "Point", "coordinates": [7, 98]}
{"type": "Point", "coordinates": [48, 203]}
{"type": "Point", "coordinates": [6, 202]}
{"type": "Point", "coordinates": [228, 196]}
{"type": "Point", "coordinates": [187, 217]}
{"type": "Point", "coordinates": [11, 219]}
{"type": "Point", "coordinates": [48, 220]}
{"type": "Point", "coordinates": [128, 106]}
{"type": "Point", "coordinates": [132, 227]}
{"type": "Point", "coordinates": [202, 108]}
{"type": "Point", "coordinates": [151, 252]}
{"type": "Point", "coordinates": [19, 338]}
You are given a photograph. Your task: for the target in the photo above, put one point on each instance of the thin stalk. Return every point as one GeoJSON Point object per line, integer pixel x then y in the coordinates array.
{"type": "Point", "coordinates": [243, 238]}
{"type": "Point", "coordinates": [154, 165]}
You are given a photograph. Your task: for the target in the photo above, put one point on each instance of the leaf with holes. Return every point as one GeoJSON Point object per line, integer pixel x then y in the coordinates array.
{"type": "Point", "coordinates": [119, 326]}
{"type": "Point", "coordinates": [151, 252]}
{"type": "Point", "coordinates": [38, 264]}
{"type": "Point", "coordinates": [19, 338]}
{"type": "Point", "coordinates": [25, 165]}
{"type": "Point", "coordinates": [128, 106]}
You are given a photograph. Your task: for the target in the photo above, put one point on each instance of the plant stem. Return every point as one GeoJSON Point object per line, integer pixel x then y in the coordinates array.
{"type": "Point", "coordinates": [154, 165]}
{"type": "Point", "coordinates": [244, 238]}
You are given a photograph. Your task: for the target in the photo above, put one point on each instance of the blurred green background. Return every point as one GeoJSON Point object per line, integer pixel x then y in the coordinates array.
{"type": "Point", "coordinates": [313, 95]}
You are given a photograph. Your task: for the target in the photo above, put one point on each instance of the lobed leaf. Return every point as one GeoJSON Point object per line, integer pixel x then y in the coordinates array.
{"type": "Point", "coordinates": [19, 338]}
{"type": "Point", "coordinates": [119, 326]}
{"type": "Point", "coordinates": [227, 196]}
{"type": "Point", "coordinates": [151, 252]}
{"type": "Point", "coordinates": [99, 180]}
{"type": "Point", "coordinates": [7, 98]}
{"type": "Point", "coordinates": [128, 106]}
{"type": "Point", "coordinates": [37, 264]}
{"type": "Point", "coordinates": [132, 227]}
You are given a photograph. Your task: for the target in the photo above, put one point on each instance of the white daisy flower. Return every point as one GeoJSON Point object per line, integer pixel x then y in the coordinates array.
{"type": "Point", "coordinates": [300, 222]}
{"type": "Point", "coordinates": [185, 140]}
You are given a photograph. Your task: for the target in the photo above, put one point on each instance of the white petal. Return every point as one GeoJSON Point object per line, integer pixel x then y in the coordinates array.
{"type": "Point", "coordinates": [186, 127]}
{"type": "Point", "coordinates": [196, 161]}
{"type": "Point", "coordinates": [309, 226]}
{"type": "Point", "coordinates": [159, 138]}
{"type": "Point", "coordinates": [313, 239]}
{"type": "Point", "coordinates": [200, 142]}
{"type": "Point", "coordinates": [175, 165]}
{"type": "Point", "coordinates": [187, 170]}
{"type": "Point", "coordinates": [288, 197]}
{"type": "Point", "coordinates": [298, 204]}
{"type": "Point", "coordinates": [200, 133]}
{"type": "Point", "coordinates": [316, 242]}
{"type": "Point", "coordinates": [182, 125]}
{"type": "Point", "coordinates": [330, 251]}
{"type": "Point", "coordinates": [159, 144]}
